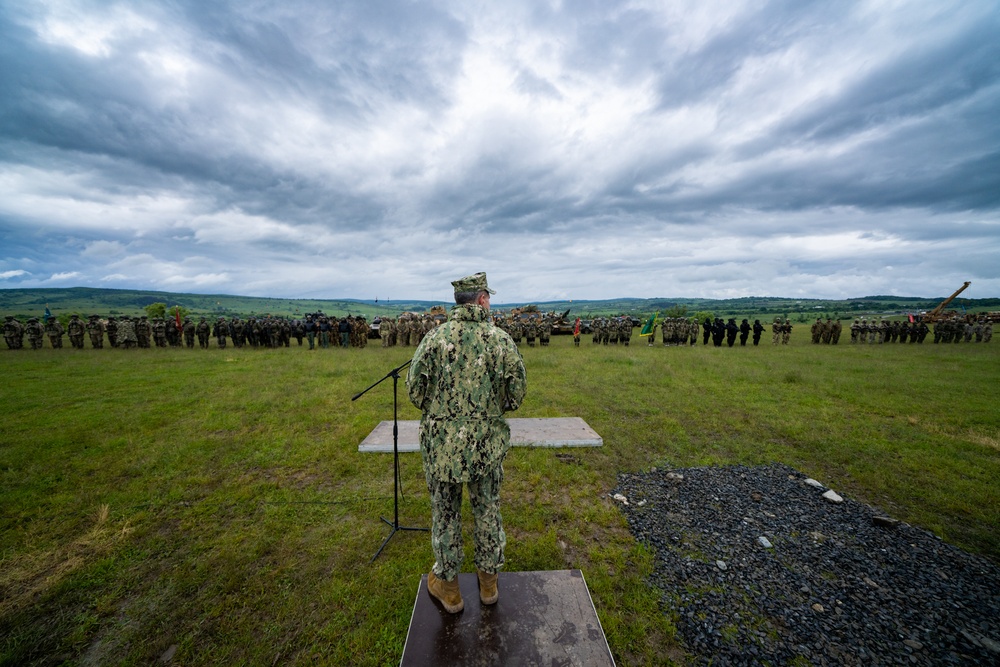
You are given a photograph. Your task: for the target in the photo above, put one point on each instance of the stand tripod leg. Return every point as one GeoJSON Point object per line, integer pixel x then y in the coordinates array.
{"type": "Point", "coordinates": [397, 484]}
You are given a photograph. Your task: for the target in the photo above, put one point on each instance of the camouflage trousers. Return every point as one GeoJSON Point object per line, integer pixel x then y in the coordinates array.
{"type": "Point", "coordinates": [446, 524]}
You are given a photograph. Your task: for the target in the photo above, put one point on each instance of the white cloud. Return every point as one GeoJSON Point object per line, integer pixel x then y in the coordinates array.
{"type": "Point", "coordinates": [6, 275]}
{"type": "Point", "coordinates": [66, 275]}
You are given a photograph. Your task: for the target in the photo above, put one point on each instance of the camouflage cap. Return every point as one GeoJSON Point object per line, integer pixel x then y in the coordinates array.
{"type": "Point", "coordinates": [474, 283]}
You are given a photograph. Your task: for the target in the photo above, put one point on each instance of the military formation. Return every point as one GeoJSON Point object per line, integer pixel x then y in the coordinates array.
{"type": "Point", "coordinates": [827, 333]}
{"type": "Point", "coordinates": [949, 330]}
{"type": "Point", "coordinates": [143, 332]}
{"type": "Point", "coordinates": [409, 329]}
{"type": "Point", "coordinates": [531, 329]}
{"type": "Point", "coordinates": [956, 330]}
{"type": "Point", "coordinates": [611, 331]}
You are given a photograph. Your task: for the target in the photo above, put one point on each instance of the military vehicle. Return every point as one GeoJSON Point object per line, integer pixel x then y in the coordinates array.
{"type": "Point", "coordinates": [939, 313]}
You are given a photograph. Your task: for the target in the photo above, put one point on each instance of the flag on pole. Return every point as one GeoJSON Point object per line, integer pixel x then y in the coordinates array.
{"type": "Point", "coordinates": [647, 328]}
{"type": "Point", "coordinates": [48, 313]}
{"type": "Point", "coordinates": [177, 317]}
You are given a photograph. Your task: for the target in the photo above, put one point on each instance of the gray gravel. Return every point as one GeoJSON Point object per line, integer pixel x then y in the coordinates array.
{"type": "Point", "coordinates": [840, 583]}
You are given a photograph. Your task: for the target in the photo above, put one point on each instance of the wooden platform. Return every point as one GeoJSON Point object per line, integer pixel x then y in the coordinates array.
{"type": "Point", "coordinates": [539, 432]}
{"type": "Point", "coordinates": [542, 618]}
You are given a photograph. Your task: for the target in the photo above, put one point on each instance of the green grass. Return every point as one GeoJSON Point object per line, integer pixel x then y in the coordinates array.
{"type": "Point", "coordinates": [214, 501]}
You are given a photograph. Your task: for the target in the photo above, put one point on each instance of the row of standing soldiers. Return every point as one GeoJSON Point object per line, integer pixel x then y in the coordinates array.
{"type": "Point", "coordinates": [143, 332]}
{"type": "Point", "coordinates": [827, 332]}
{"type": "Point", "coordinates": [527, 329]}
{"type": "Point", "coordinates": [872, 332]}
{"type": "Point", "coordinates": [14, 332]}
{"type": "Point", "coordinates": [674, 331]}
{"type": "Point", "coordinates": [611, 331]}
{"type": "Point", "coordinates": [955, 330]}
{"type": "Point", "coordinates": [405, 331]}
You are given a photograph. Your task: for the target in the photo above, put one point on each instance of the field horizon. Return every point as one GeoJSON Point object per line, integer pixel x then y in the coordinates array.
{"type": "Point", "coordinates": [86, 300]}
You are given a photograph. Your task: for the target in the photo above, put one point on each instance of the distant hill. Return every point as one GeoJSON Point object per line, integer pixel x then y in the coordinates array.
{"type": "Point", "coordinates": [25, 303]}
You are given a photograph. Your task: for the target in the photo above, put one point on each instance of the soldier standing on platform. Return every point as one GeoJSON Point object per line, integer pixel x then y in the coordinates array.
{"type": "Point", "coordinates": [465, 375]}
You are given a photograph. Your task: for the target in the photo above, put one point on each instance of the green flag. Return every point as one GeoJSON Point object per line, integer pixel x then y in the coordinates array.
{"type": "Point", "coordinates": [647, 328]}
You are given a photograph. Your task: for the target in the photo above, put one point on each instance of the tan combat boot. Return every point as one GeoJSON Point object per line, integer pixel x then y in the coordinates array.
{"type": "Point", "coordinates": [446, 592]}
{"type": "Point", "coordinates": [488, 593]}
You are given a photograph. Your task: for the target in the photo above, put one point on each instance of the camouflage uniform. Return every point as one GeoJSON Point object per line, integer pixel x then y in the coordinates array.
{"type": "Point", "coordinates": [220, 331]}
{"type": "Point", "coordinates": [76, 331]}
{"type": "Point", "coordinates": [385, 331]}
{"type": "Point", "coordinates": [112, 329]}
{"type": "Point", "coordinates": [95, 329]}
{"type": "Point", "coordinates": [143, 329]}
{"type": "Point", "coordinates": [159, 332]}
{"type": "Point", "coordinates": [545, 332]}
{"type": "Point", "coordinates": [464, 376]}
{"type": "Point", "coordinates": [203, 331]}
{"type": "Point", "coordinates": [55, 331]}
{"type": "Point", "coordinates": [786, 332]}
{"type": "Point", "coordinates": [126, 334]}
{"type": "Point", "coordinates": [36, 334]}
{"type": "Point", "coordinates": [817, 331]}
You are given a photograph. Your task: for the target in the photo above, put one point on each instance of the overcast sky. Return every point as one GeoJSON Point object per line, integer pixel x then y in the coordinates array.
{"type": "Point", "coordinates": [582, 150]}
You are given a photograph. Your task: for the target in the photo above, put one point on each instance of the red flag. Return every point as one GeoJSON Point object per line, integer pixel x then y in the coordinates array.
{"type": "Point", "coordinates": [177, 317]}
{"type": "Point", "coordinates": [911, 317]}
{"type": "Point", "coordinates": [576, 327]}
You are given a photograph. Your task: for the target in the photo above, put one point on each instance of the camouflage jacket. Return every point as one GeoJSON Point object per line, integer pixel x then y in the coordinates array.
{"type": "Point", "coordinates": [465, 374]}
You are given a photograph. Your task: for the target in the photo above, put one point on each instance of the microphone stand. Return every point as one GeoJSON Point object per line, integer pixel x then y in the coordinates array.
{"type": "Point", "coordinates": [396, 486]}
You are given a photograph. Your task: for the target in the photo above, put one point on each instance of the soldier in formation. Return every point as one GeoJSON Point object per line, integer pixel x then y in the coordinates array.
{"type": "Point", "coordinates": [758, 329]}
{"type": "Point", "coordinates": [220, 331]}
{"type": "Point", "coordinates": [127, 337]}
{"type": "Point", "coordinates": [781, 332]}
{"type": "Point", "coordinates": [112, 328]}
{"type": "Point", "coordinates": [159, 328]}
{"type": "Point", "coordinates": [13, 333]}
{"type": "Point", "coordinates": [35, 332]}
{"type": "Point", "coordinates": [143, 331]}
{"type": "Point", "coordinates": [95, 329]}
{"type": "Point", "coordinates": [54, 329]}
{"type": "Point", "coordinates": [203, 331]}
{"type": "Point", "coordinates": [76, 330]}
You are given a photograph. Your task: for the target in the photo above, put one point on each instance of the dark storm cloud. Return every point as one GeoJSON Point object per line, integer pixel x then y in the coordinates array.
{"type": "Point", "coordinates": [215, 146]}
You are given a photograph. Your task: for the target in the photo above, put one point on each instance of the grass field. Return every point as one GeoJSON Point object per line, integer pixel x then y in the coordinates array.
{"type": "Point", "coordinates": [212, 505]}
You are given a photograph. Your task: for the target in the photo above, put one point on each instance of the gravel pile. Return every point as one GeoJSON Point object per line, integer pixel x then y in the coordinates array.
{"type": "Point", "coordinates": [759, 568]}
